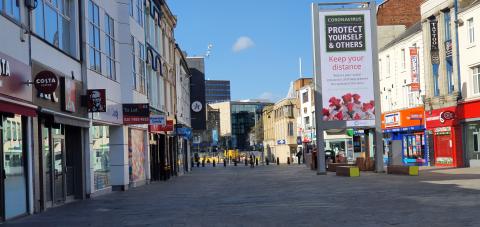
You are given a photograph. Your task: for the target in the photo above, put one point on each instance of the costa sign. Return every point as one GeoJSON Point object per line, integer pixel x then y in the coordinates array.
{"type": "Point", "coordinates": [46, 82]}
{"type": "Point", "coordinates": [447, 115]}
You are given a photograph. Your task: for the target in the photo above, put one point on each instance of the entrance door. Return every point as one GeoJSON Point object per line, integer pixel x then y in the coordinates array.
{"type": "Point", "coordinates": [443, 147]}
{"type": "Point", "coordinates": [59, 168]}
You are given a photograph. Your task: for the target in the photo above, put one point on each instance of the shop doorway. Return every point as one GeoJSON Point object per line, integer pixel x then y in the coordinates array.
{"type": "Point", "coordinates": [61, 166]}
{"type": "Point", "coordinates": [443, 149]}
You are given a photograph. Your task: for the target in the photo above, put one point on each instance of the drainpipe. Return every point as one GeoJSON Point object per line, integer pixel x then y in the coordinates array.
{"type": "Point", "coordinates": [458, 51]}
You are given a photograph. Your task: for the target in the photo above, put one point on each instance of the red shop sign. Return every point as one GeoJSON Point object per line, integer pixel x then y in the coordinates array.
{"type": "Point", "coordinates": [46, 82]}
{"type": "Point", "coordinates": [447, 115]}
{"type": "Point", "coordinates": [168, 127]}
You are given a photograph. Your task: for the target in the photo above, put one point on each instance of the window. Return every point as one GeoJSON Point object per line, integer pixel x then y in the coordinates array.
{"type": "Point", "coordinates": [94, 37]}
{"type": "Point", "coordinates": [140, 12]}
{"type": "Point", "coordinates": [305, 97]}
{"type": "Point", "coordinates": [471, 31]}
{"type": "Point", "coordinates": [141, 68]}
{"type": "Point", "coordinates": [307, 120]}
{"type": "Point", "coordinates": [10, 8]}
{"type": "Point", "coordinates": [380, 67]}
{"type": "Point", "coordinates": [52, 23]}
{"type": "Point", "coordinates": [476, 79]}
{"type": "Point", "coordinates": [134, 68]}
{"type": "Point", "coordinates": [110, 46]}
{"type": "Point", "coordinates": [436, 88]}
{"type": "Point", "coordinates": [449, 66]}
{"type": "Point", "coordinates": [388, 65]}
{"type": "Point", "coordinates": [290, 128]}
{"type": "Point", "coordinates": [402, 57]}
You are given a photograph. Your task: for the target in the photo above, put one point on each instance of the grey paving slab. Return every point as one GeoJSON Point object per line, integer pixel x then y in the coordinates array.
{"type": "Point", "coordinates": [281, 196]}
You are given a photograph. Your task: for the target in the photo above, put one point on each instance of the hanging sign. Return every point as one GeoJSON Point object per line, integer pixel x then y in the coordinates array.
{"type": "Point", "coordinates": [158, 119]}
{"type": "Point", "coordinates": [69, 95]}
{"type": "Point", "coordinates": [46, 82]}
{"type": "Point", "coordinates": [346, 67]}
{"type": "Point", "coordinates": [136, 113]}
{"type": "Point", "coordinates": [97, 101]}
{"type": "Point", "coordinates": [434, 35]}
{"type": "Point", "coordinates": [4, 67]}
{"type": "Point", "coordinates": [415, 83]}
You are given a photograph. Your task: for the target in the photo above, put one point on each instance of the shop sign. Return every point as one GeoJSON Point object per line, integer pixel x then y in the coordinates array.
{"type": "Point", "coordinates": [416, 117]}
{"type": "Point", "coordinates": [184, 132]}
{"type": "Point", "coordinates": [446, 115]}
{"type": "Point", "coordinates": [279, 142]}
{"type": "Point", "coordinates": [448, 48]}
{"type": "Point", "coordinates": [392, 120]}
{"type": "Point", "coordinates": [4, 67]}
{"type": "Point", "coordinates": [46, 82]}
{"type": "Point", "coordinates": [136, 113]}
{"type": "Point", "coordinates": [69, 95]}
{"type": "Point", "coordinates": [442, 131]}
{"type": "Point", "coordinates": [434, 35]}
{"type": "Point", "coordinates": [197, 106]}
{"type": "Point", "coordinates": [415, 83]}
{"type": "Point", "coordinates": [168, 127]}
{"type": "Point", "coordinates": [158, 119]}
{"type": "Point", "coordinates": [97, 100]}
{"type": "Point", "coordinates": [346, 67]}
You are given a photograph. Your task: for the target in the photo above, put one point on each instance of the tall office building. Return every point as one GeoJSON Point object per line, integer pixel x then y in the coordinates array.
{"type": "Point", "coordinates": [217, 91]}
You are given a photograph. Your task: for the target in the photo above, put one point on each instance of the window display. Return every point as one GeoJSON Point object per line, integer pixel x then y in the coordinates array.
{"type": "Point", "coordinates": [101, 156]}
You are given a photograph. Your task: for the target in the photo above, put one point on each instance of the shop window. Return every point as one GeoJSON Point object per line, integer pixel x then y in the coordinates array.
{"type": "Point", "coordinates": [476, 79]}
{"type": "Point", "coordinates": [53, 23]}
{"type": "Point", "coordinates": [10, 8]}
{"type": "Point", "coordinates": [101, 156]}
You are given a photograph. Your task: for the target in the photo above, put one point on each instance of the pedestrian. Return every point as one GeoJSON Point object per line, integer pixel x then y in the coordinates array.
{"type": "Point", "coordinates": [203, 162]}
{"type": "Point", "coordinates": [256, 161]}
{"type": "Point", "coordinates": [299, 155]}
{"type": "Point", "coordinates": [267, 161]}
{"type": "Point", "coordinates": [192, 162]}
{"type": "Point", "coordinates": [278, 161]}
{"type": "Point", "coordinates": [251, 163]}
{"type": "Point", "coordinates": [288, 160]}
{"type": "Point", "coordinates": [246, 161]}
{"type": "Point", "coordinates": [214, 164]}
{"type": "Point", "coordinates": [224, 163]}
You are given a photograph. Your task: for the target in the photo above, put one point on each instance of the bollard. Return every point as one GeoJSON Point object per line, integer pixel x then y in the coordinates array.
{"type": "Point", "coordinates": [198, 164]}
{"type": "Point", "coordinates": [214, 164]}
{"type": "Point", "coordinates": [278, 161]}
{"type": "Point", "coordinates": [224, 163]}
{"type": "Point", "coordinates": [288, 160]}
{"type": "Point", "coordinates": [203, 163]}
{"type": "Point", "coordinates": [267, 161]}
{"type": "Point", "coordinates": [246, 162]}
{"type": "Point", "coordinates": [235, 163]}
{"type": "Point", "coordinates": [256, 161]}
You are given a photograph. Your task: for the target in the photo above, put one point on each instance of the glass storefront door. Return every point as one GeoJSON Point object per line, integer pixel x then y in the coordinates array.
{"type": "Point", "coordinates": [13, 163]}
{"type": "Point", "coordinates": [53, 143]}
{"type": "Point", "coordinates": [59, 168]}
{"type": "Point", "coordinates": [473, 145]}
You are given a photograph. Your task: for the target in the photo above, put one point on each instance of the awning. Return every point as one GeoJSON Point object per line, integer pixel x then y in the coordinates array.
{"type": "Point", "coordinates": [67, 119]}
{"type": "Point", "coordinates": [24, 110]}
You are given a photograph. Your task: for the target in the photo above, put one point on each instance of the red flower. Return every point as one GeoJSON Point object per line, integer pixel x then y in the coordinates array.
{"type": "Point", "coordinates": [356, 98]}
{"type": "Point", "coordinates": [350, 107]}
{"type": "Point", "coordinates": [339, 116]}
{"type": "Point", "coordinates": [325, 112]}
{"type": "Point", "coordinates": [356, 117]}
{"type": "Point", "coordinates": [347, 98]}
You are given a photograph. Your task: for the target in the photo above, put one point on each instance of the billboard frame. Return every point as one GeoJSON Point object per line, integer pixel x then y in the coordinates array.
{"type": "Point", "coordinates": [321, 125]}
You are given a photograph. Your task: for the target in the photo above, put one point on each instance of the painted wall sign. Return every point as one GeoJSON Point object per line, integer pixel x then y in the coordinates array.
{"type": "Point", "coordinates": [4, 67]}
{"type": "Point", "coordinates": [46, 82]}
{"type": "Point", "coordinates": [346, 67]}
{"type": "Point", "coordinates": [415, 81]}
{"type": "Point", "coordinates": [69, 95]}
{"type": "Point", "coordinates": [97, 100]}
{"type": "Point", "coordinates": [136, 113]}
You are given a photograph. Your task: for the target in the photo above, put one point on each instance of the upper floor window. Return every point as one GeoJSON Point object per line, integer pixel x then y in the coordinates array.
{"type": "Point", "coordinates": [94, 37]}
{"type": "Point", "coordinates": [141, 69]}
{"type": "Point", "coordinates": [471, 31]}
{"type": "Point", "coordinates": [402, 58]}
{"type": "Point", "coordinates": [11, 8]}
{"type": "Point", "coordinates": [290, 128]}
{"type": "Point", "coordinates": [388, 65]}
{"type": "Point", "coordinates": [53, 23]}
{"type": "Point", "coordinates": [110, 46]}
{"type": "Point", "coordinates": [130, 7]}
{"type": "Point", "coordinates": [305, 97]}
{"type": "Point", "coordinates": [140, 13]}
{"type": "Point", "coordinates": [134, 67]}
{"type": "Point", "coordinates": [476, 79]}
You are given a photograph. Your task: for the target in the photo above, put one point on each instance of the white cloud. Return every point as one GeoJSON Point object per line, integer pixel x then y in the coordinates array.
{"type": "Point", "coordinates": [243, 43]}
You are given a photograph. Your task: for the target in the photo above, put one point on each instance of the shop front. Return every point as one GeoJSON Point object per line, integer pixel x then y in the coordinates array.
{"type": "Point", "coordinates": [470, 118]}
{"type": "Point", "coordinates": [183, 135]}
{"type": "Point", "coordinates": [159, 158]}
{"type": "Point", "coordinates": [16, 117]}
{"type": "Point", "coordinates": [445, 133]}
{"type": "Point", "coordinates": [408, 128]}
{"type": "Point", "coordinates": [62, 129]}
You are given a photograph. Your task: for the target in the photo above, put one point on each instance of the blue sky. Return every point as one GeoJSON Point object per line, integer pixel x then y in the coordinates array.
{"type": "Point", "coordinates": [271, 37]}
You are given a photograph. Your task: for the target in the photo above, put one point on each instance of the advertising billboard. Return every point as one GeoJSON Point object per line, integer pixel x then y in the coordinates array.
{"type": "Point", "coordinates": [346, 67]}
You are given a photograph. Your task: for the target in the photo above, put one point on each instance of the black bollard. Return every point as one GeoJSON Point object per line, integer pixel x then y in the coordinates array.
{"type": "Point", "coordinates": [203, 163]}
{"type": "Point", "coordinates": [278, 161]}
{"type": "Point", "coordinates": [224, 163]}
{"type": "Point", "coordinates": [198, 164]}
{"type": "Point", "coordinates": [246, 162]}
{"type": "Point", "coordinates": [256, 161]}
{"type": "Point", "coordinates": [288, 160]}
{"type": "Point", "coordinates": [267, 161]}
{"type": "Point", "coordinates": [214, 164]}
{"type": "Point", "coordinates": [235, 162]}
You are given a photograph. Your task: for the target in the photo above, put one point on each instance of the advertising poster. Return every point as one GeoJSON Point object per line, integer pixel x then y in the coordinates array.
{"type": "Point", "coordinates": [136, 152]}
{"type": "Point", "coordinates": [415, 85]}
{"type": "Point", "coordinates": [347, 67]}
